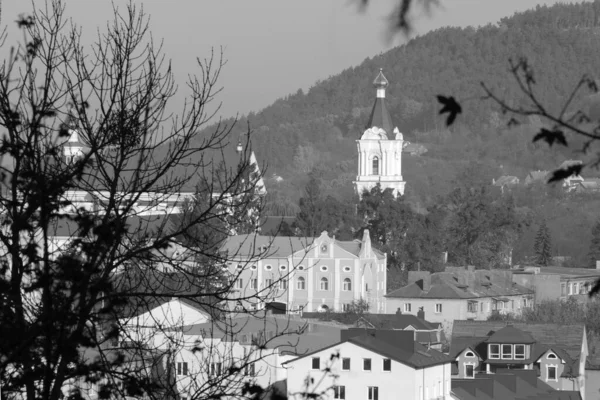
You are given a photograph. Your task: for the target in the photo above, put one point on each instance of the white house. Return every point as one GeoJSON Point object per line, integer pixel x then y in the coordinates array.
{"type": "Point", "coordinates": [372, 365]}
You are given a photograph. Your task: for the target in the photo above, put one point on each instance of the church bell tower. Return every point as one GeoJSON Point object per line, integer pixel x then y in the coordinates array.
{"type": "Point", "coordinates": [380, 148]}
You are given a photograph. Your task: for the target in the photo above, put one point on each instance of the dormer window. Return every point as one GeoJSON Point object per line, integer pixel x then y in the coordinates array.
{"type": "Point", "coordinates": [469, 354]}
{"type": "Point", "coordinates": [552, 356]}
{"type": "Point", "coordinates": [506, 351]}
{"type": "Point", "coordinates": [494, 351]}
{"type": "Point", "coordinates": [519, 351]}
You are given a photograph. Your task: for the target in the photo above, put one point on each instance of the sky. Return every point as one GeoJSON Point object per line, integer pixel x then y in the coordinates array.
{"type": "Point", "coordinates": [273, 47]}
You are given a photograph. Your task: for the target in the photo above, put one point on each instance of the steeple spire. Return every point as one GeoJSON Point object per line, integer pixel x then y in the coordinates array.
{"type": "Point", "coordinates": [380, 83]}
{"type": "Point", "coordinates": [380, 117]}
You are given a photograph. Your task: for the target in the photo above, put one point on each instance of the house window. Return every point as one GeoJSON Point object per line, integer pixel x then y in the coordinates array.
{"type": "Point", "coordinates": [507, 351]}
{"type": "Point", "coordinates": [366, 364]}
{"type": "Point", "coordinates": [438, 308]}
{"type": "Point", "coordinates": [373, 393]}
{"type": "Point", "coordinates": [215, 369]}
{"type": "Point", "coordinates": [345, 307]}
{"type": "Point", "coordinates": [347, 285]}
{"type": "Point", "coordinates": [283, 284]}
{"type": "Point", "coordinates": [406, 307]}
{"type": "Point", "coordinates": [250, 369]}
{"type": "Point", "coordinates": [268, 267]}
{"type": "Point", "coordinates": [469, 354]}
{"type": "Point", "coordinates": [300, 268]}
{"type": "Point", "coordinates": [182, 368]}
{"type": "Point", "coordinates": [375, 165]}
{"type": "Point", "coordinates": [551, 373]}
{"type": "Point", "coordinates": [253, 267]}
{"type": "Point", "coordinates": [524, 302]}
{"type": "Point", "coordinates": [316, 363]}
{"type": "Point", "coordinates": [347, 269]}
{"type": "Point", "coordinates": [387, 364]}
{"type": "Point", "coordinates": [339, 392]}
{"type": "Point", "coordinates": [324, 268]}
{"type": "Point", "coordinates": [345, 364]}
{"type": "Point", "coordinates": [494, 351]}
{"type": "Point", "coordinates": [268, 282]}
{"type": "Point", "coordinates": [254, 283]}
{"type": "Point", "coordinates": [283, 267]}
{"type": "Point", "coordinates": [300, 283]}
{"type": "Point", "coordinates": [469, 371]}
{"type": "Point", "coordinates": [552, 356]}
{"type": "Point", "coordinates": [519, 351]}
{"type": "Point", "coordinates": [472, 306]}
{"type": "Point", "coordinates": [239, 283]}
{"type": "Point", "coordinates": [563, 289]}
{"type": "Point", "coordinates": [324, 284]}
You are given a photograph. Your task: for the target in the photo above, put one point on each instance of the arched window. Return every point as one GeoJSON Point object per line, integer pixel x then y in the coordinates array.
{"type": "Point", "coordinates": [300, 283]}
{"type": "Point", "coordinates": [469, 354]}
{"type": "Point", "coordinates": [552, 355]}
{"type": "Point", "coordinates": [347, 285]}
{"type": "Point", "coordinates": [324, 284]}
{"type": "Point", "coordinates": [375, 165]}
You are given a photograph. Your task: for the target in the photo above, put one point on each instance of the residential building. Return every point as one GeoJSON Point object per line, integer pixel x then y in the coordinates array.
{"type": "Point", "coordinates": [554, 283]}
{"type": "Point", "coordinates": [536, 177]}
{"type": "Point", "coordinates": [588, 185]}
{"type": "Point", "coordinates": [570, 183]}
{"type": "Point", "coordinates": [295, 274]}
{"type": "Point", "coordinates": [255, 345]}
{"type": "Point", "coordinates": [427, 333]}
{"type": "Point", "coordinates": [373, 365]}
{"type": "Point", "coordinates": [508, 384]}
{"type": "Point", "coordinates": [459, 293]}
{"type": "Point", "coordinates": [505, 182]}
{"type": "Point", "coordinates": [380, 148]}
{"type": "Point", "coordinates": [557, 353]}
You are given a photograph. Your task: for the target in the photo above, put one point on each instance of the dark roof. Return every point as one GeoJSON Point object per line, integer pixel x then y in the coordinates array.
{"type": "Point", "coordinates": [275, 225]}
{"type": "Point", "coordinates": [398, 321]}
{"type": "Point", "coordinates": [509, 385]}
{"type": "Point", "coordinates": [564, 340]}
{"type": "Point", "coordinates": [389, 344]}
{"type": "Point", "coordinates": [292, 335]}
{"type": "Point", "coordinates": [463, 285]}
{"type": "Point", "coordinates": [380, 117]}
{"type": "Point", "coordinates": [510, 334]}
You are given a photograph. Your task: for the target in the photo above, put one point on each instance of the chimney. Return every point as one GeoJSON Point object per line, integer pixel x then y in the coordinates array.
{"type": "Point", "coordinates": [421, 278]}
{"type": "Point", "coordinates": [421, 313]}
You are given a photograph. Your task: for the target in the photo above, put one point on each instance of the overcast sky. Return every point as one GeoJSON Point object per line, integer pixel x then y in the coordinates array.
{"type": "Point", "coordinates": [274, 47]}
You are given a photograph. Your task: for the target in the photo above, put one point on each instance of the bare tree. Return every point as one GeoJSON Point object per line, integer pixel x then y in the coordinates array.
{"type": "Point", "coordinates": [95, 124]}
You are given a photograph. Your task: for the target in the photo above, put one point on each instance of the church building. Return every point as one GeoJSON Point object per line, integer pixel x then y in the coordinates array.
{"type": "Point", "coordinates": [380, 148]}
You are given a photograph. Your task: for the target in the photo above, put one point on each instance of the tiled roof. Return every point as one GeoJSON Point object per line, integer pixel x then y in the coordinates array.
{"type": "Point", "coordinates": [385, 343]}
{"type": "Point", "coordinates": [510, 334]}
{"type": "Point", "coordinates": [508, 385]}
{"type": "Point", "coordinates": [463, 285]}
{"type": "Point", "coordinates": [251, 245]}
{"type": "Point", "coordinates": [565, 341]}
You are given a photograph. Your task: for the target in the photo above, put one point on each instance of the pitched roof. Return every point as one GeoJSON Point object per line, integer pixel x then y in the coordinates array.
{"type": "Point", "coordinates": [510, 334]}
{"type": "Point", "coordinates": [254, 245]}
{"type": "Point", "coordinates": [463, 285]}
{"type": "Point", "coordinates": [509, 385]}
{"type": "Point", "coordinates": [506, 180]}
{"type": "Point", "coordinates": [386, 344]}
{"type": "Point", "coordinates": [565, 341]}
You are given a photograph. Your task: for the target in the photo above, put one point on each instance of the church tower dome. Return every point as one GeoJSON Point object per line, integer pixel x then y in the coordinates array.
{"type": "Point", "coordinates": [380, 147]}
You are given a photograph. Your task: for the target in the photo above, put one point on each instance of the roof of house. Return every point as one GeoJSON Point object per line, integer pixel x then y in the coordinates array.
{"type": "Point", "coordinates": [509, 385]}
{"type": "Point", "coordinates": [565, 341]}
{"type": "Point", "coordinates": [562, 271]}
{"type": "Point", "coordinates": [536, 176]}
{"type": "Point", "coordinates": [291, 335]}
{"type": "Point", "coordinates": [510, 334]}
{"type": "Point", "coordinates": [506, 180]}
{"type": "Point", "coordinates": [462, 285]}
{"type": "Point", "coordinates": [253, 245]}
{"type": "Point", "coordinates": [387, 345]}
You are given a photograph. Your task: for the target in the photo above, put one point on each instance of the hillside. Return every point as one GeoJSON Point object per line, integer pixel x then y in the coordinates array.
{"type": "Point", "coordinates": [315, 131]}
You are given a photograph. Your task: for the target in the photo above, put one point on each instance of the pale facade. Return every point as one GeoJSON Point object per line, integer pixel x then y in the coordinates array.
{"type": "Point", "coordinates": [313, 274]}
{"type": "Point", "coordinates": [401, 381]}
{"type": "Point", "coordinates": [380, 148]}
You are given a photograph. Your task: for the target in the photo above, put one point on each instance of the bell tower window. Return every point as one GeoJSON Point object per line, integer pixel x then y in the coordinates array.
{"type": "Point", "coordinates": [375, 165]}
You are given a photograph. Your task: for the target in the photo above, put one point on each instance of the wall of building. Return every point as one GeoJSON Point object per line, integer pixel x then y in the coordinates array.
{"type": "Point", "coordinates": [402, 380]}
{"type": "Point", "coordinates": [592, 384]}
{"type": "Point", "coordinates": [464, 360]}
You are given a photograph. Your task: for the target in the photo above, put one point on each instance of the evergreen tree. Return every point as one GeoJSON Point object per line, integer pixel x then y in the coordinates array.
{"type": "Point", "coordinates": [594, 253]}
{"type": "Point", "coordinates": [543, 245]}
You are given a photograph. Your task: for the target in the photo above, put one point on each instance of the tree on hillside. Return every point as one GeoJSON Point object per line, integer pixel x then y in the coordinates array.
{"type": "Point", "coordinates": [96, 124]}
{"type": "Point", "coordinates": [594, 253]}
{"type": "Point", "coordinates": [543, 245]}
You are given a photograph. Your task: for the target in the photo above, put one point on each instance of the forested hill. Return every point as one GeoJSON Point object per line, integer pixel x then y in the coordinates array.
{"type": "Point", "coordinates": [316, 131]}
